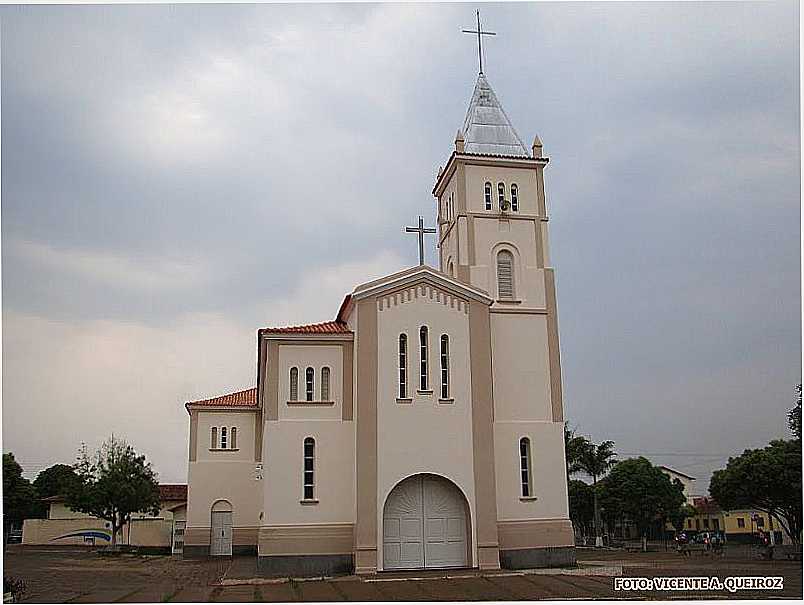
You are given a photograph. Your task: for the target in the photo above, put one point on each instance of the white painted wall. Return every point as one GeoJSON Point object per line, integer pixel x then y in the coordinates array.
{"type": "Point", "coordinates": [317, 357]}
{"type": "Point", "coordinates": [423, 436]}
{"type": "Point", "coordinates": [244, 421]}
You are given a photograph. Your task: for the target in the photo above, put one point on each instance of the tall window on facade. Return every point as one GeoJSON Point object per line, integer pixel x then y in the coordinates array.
{"type": "Point", "coordinates": [403, 366]}
{"type": "Point", "coordinates": [514, 198]}
{"type": "Point", "coordinates": [501, 194]}
{"type": "Point", "coordinates": [325, 384]}
{"type": "Point", "coordinates": [488, 196]}
{"type": "Point", "coordinates": [309, 383]}
{"type": "Point", "coordinates": [309, 466]}
{"type": "Point", "coordinates": [233, 438]}
{"type": "Point", "coordinates": [444, 366]}
{"type": "Point", "coordinates": [214, 439]}
{"type": "Point", "coordinates": [223, 437]}
{"type": "Point", "coordinates": [294, 384]}
{"type": "Point", "coordinates": [505, 274]}
{"type": "Point", "coordinates": [423, 382]}
{"type": "Point", "coordinates": [524, 467]}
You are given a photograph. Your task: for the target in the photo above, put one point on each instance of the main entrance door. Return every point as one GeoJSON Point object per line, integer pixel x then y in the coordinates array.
{"type": "Point", "coordinates": [425, 525]}
{"type": "Point", "coordinates": [221, 529]}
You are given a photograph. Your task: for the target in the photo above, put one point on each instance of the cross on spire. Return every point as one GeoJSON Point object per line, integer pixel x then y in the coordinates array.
{"type": "Point", "coordinates": [479, 31]}
{"type": "Point", "coordinates": [421, 230]}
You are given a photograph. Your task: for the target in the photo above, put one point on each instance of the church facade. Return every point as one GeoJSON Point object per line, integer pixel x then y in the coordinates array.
{"type": "Point", "coordinates": [422, 427]}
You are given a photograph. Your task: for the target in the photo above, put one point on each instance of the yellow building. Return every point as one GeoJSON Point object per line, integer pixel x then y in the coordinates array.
{"type": "Point", "coordinates": [742, 525]}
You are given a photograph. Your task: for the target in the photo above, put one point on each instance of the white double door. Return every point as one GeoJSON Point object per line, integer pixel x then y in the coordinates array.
{"type": "Point", "coordinates": [221, 539]}
{"type": "Point", "coordinates": [425, 525]}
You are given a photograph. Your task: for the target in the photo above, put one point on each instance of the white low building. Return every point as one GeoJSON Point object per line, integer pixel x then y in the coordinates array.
{"type": "Point", "coordinates": [423, 426]}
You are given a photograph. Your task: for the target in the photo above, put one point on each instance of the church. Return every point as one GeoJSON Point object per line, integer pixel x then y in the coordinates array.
{"type": "Point", "coordinates": [422, 425]}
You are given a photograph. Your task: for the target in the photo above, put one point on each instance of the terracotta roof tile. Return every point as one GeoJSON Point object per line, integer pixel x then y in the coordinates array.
{"type": "Point", "coordinates": [326, 327]}
{"type": "Point", "coordinates": [244, 398]}
{"type": "Point", "coordinates": [173, 491]}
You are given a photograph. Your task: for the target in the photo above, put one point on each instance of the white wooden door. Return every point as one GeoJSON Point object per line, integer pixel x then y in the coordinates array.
{"type": "Point", "coordinates": [425, 525]}
{"type": "Point", "coordinates": [221, 543]}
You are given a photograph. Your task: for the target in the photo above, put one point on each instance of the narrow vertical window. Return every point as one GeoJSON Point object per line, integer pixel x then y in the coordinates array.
{"type": "Point", "coordinates": [294, 384]}
{"type": "Point", "coordinates": [223, 437]}
{"type": "Point", "coordinates": [403, 366]}
{"type": "Point", "coordinates": [309, 468]}
{"type": "Point", "coordinates": [233, 438]}
{"type": "Point", "coordinates": [505, 275]}
{"type": "Point", "coordinates": [524, 467]}
{"type": "Point", "coordinates": [423, 382]}
{"type": "Point", "coordinates": [309, 383]}
{"type": "Point", "coordinates": [488, 196]}
{"type": "Point", "coordinates": [214, 440]}
{"type": "Point", "coordinates": [514, 198]}
{"type": "Point", "coordinates": [325, 384]}
{"type": "Point", "coordinates": [501, 194]}
{"type": "Point", "coordinates": [444, 366]}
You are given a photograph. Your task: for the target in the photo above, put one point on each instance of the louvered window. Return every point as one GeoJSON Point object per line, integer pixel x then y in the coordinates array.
{"type": "Point", "coordinates": [501, 194]}
{"type": "Point", "coordinates": [505, 275]}
{"type": "Point", "coordinates": [309, 383]}
{"type": "Point", "coordinates": [488, 196]}
{"type": "Point", "coordinates": [309, 468]}
{"type": "Point", "coordinates": [223, 437]}
{"type": "Point", "coordinates": [423, 354]}
{"type": "Point", "coordinates": [324, 384]}
{"type": "Point", "coordinates": [294, 384]}
{"type": "Point", "coordinates": [403, 366]}
{"type": "Point", "coordinates": [233, 438]}
{"type": "Point", "coordinates": [214, 440]}
{"type": "Point", "coordinates": [524, 467]}
{"type": "Point", "coordinates": [444, 366]}
{"type": "Point", "coordinates": [514, 198]}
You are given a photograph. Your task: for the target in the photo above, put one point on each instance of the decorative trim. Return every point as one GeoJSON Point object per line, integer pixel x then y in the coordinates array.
{"type": "Point", "coordinates": [307, 339]}
{"type": "Point", "coordinates": [424, 392]}
{"type": "Point", "coordinates": [404, 400]}
{"type": "Point", "coordinates": [446, 401]}
{"type": "Point", "coordinates": [554, 356]}
{"type": "Point", "coordinates": [193, 435]}
{"type": "Point", "coordinates": [308, 501]}
{"type": "Point", "coordinates": [224, 449]}
{"type": "Point", "coordinates": [527, 310]}
{"type": "Point", "coordinates": [528, 498]}
{"type": "Point", "coordinates": [312, 404]}
{"type": "Point", "coordinates": [272, 380]}
{"type": "Point", "coordinates": [417, 275]}
{"type": "Point", "coordinates": [347, 377]}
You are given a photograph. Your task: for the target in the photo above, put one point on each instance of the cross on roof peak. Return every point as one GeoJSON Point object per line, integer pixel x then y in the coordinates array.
{"type": "Point", "coordinates": [479, 31]}
{"type": "Point", "coordinates": [421, 230]}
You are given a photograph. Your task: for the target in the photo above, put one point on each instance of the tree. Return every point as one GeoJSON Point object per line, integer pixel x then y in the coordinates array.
{"type": "Point", "coordinates": [680, 515]}
{"type": "Point", "coordinates": [113, 484]}
{"type": "Point", "coordinates": [573, 447]}
{"type": "Point", "coordinates": [19, 496]}
{"type": "Point", "coordinates": [641, 492]}
{"type": "Point", "coordinates": [581, 506]}
{"type": "Point", "coordinates": [595, 461]}
{"type": "Point", "coordinates": [794, 415]}
{"type": "Point", "coordinates": [56, 480]}
{"type": "Point", "coordinates": [767, 479]}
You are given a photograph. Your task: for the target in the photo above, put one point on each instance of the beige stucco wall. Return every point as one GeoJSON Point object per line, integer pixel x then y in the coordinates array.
{"type": "Point", "coordinates": [315, 356]}
{"type": "Point", "coordinates": [59, 510]}
{"type": "Point", "coordinates": [548, 470]}
{"type": "Point", "coordinates": [225, 479]}
{"type": "Point", "coordinates": [244, 421]}
{"type": "Point", "coordinates": [424, 436]}
{"type": "Point", "coordinates": [282, 488]}
{"type": "Point", "coordinates": [521, 367]}
{"type": "Point", "coordinates": [145, 532]}
{"type": "Point", "coordinates": [525, 179]}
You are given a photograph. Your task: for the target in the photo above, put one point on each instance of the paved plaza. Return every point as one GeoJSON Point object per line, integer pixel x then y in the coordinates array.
{"type": "Point", "coordinates": [83, 576]}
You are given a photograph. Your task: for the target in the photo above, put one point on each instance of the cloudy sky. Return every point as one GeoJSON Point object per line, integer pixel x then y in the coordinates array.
{"type": "Point", "coordinates": [175, 177]}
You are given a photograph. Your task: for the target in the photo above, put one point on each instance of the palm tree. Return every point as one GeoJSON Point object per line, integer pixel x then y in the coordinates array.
{"type": "Point", "coordinates": [595, 461]}
{"type": "Point", "coordinates": [573, 447]}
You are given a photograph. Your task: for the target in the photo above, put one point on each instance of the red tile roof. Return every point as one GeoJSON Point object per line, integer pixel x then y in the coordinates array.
{"type": "Point", "coordinates": [239, 399]}
{"type": "Point", "coordinates": [705, 505]}
{"type": "Point", "coordinates": [326, 327]}
{"type": "Point", "coordinates": [173, 491]}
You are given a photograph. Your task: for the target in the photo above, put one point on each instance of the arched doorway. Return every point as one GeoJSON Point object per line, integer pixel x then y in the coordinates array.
{"type": "Point", "coordinates": [425, 525]}
{"type": "Point", "coordinates": [221, 529]}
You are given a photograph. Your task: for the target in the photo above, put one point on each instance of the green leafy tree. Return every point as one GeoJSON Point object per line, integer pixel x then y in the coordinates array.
{"type": "Point", "coordinates": [113, 484]}
{"type": "Point", "coordinates": [19, 496]}
{"type": "Point", "coordinates": [679, 516]}
{"type": "Point", "coordinates": [573, 448]}
{"type": "Point", "coordinates": [56, 480]}
{"type": "Point", "coordinates": [641, 492]}
{"type": "Point", "coordinates": [581, 506]}
{"type": "Point", "coordinates": [595, 461]}
{"type": "Point", "coordinates": [767, 479]}
{"type": "Point", "coordinates": [794, 415]}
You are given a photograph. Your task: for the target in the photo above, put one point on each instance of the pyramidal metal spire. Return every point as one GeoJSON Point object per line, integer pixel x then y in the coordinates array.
{"type": "Point", "coordinates": [486, 128]}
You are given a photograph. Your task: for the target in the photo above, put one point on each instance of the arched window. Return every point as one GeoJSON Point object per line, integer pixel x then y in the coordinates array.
{"type": "Point", "coordinates": [488, 196]}
{"type": "Point", "coordinates": [501, 194]}
{"type": "Point", "coordinates": [233, 438]}
{"type": "Point", "coordinates": [525, 467]}
{"type": "Point", "coordinates": [294, 384]}
{"type": "Point", "coordinates": [514, 198]}
{"type": "Point", "coordinates": [505, 275]}
{"type": "Point", "coordinates": [325, 384]}
{"type": "Point", "coordinates": [309, 383]}
{"type": "Point", "coordinates": [403, 366]}
{"type": "Point", "coordinates": [223, 437]}
{"type": "Point", "coordinates": [309, 468]}
{"type": "Point", "coordinates": [423, 355]}
{"type": "Point", "coordinates": [214, 440]}
{"type": "Point", "coordinates": [451, 269]}
{"type": "Point", "coordinates": [444, 366]}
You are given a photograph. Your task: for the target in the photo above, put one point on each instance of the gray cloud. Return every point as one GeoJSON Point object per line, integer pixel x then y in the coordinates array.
{"type": "Point", "coordinates": [176, 176]}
